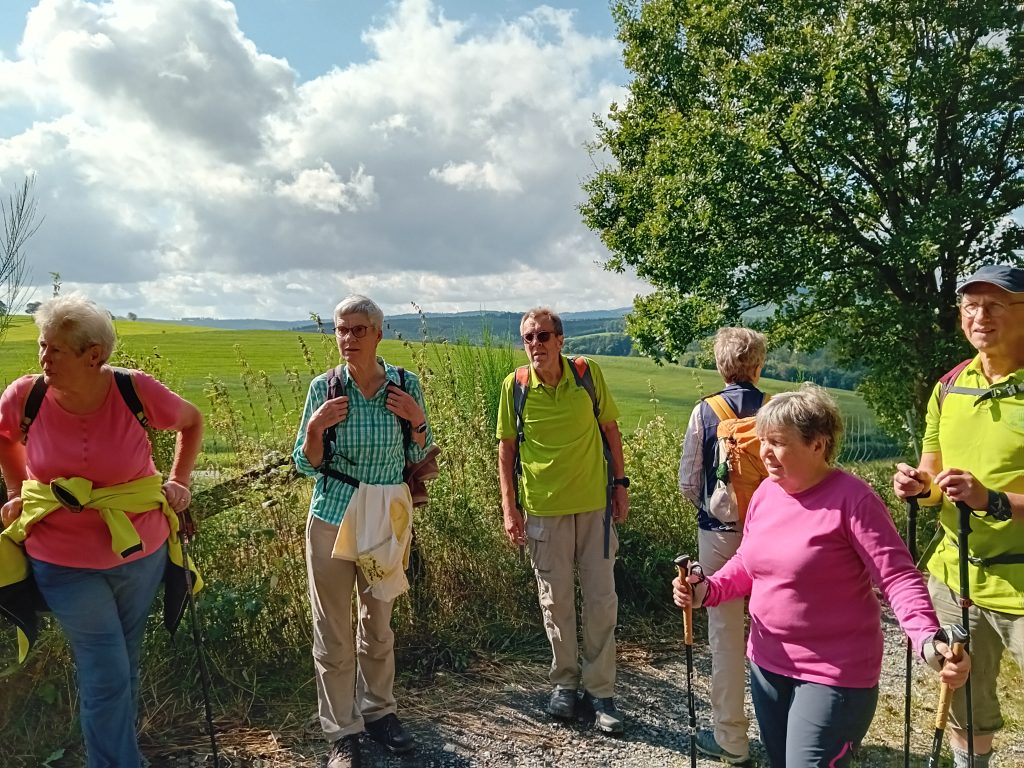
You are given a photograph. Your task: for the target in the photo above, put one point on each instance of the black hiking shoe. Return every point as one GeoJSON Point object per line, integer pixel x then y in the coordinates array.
{"type": "Point", "coordinates": [562, 704]}
{"type": "Point", "coordinates": [344, 753]}
{"type": "Point", "coordinates": [389, 733]}
{"type": "Point", "coordinates": [607, 718]}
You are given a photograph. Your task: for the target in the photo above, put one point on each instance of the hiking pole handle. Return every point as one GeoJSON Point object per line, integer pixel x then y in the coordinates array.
{"type": "Point", "coordinates": [946, 693]}
{"type": "Point", "coordinates": [682, 564]}
{"type": "Point", "coordinates": [942, 714]}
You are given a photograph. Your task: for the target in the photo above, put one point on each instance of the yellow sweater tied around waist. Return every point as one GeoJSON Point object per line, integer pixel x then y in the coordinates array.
{"type": "Point", "coordinates": [114, 504]}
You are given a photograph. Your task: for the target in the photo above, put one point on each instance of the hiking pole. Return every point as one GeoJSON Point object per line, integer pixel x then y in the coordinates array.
{"type": "Point", "coordinates": [912, 506]}
{"type": "Point", "coordinates": [965, 616]}
{"type": "Point", "coordinates": [682, 563]}
{"type": "Point", "coordinates": [957, 638]}
{"type": "Point", "coordinates": [912, 546]}
{"type": "Point", "coordinates": [204, 672]}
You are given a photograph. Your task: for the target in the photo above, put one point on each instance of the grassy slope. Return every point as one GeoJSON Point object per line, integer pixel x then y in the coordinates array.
{"type": "Point", "coordinates": [193, 354]}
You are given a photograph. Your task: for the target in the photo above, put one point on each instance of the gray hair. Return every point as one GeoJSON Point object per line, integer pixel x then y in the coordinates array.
{"type": "Point", "coordinates": [740, 354]}
{"type": "Point", "coordinates": [80, 321]}
{"type": "Point", "coordinates": [810, 410]}
{"type": "Point", "coordinates": [538, 312]}
{"type": "Point", "coordinates": [357, 304]}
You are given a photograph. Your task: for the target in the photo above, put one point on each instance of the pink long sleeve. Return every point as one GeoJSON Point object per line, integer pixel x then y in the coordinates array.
{"type": "Point", "coordinates": [808, 562]}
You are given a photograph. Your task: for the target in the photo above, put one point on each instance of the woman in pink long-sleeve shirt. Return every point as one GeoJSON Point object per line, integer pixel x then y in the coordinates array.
{"type": "Point", "coordinates": [814, 542]}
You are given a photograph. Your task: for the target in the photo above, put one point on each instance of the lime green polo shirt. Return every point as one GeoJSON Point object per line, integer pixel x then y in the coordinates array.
{"type": "Point", "coordinates": [987, 440]}
{"type": "Point", "coordinates": [564, 471]}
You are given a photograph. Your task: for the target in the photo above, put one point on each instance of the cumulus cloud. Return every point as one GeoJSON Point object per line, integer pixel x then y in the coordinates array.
{"type": "Point", "coordinates": [321, 189]}
{"type": "Point", "coordinates": [184, 172]}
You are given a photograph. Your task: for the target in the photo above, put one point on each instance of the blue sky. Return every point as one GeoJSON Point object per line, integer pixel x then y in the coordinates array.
{"type": "Point", "coordinates": [265, 158]}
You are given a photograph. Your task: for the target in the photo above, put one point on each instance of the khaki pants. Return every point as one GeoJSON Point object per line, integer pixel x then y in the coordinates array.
{"type": "Point", "coordinates": [728, 648]}
{"type": "Point", "coordinates": [348, 692]}
{"type": "Point", "coordinates": [558, 546]}
{"type": "Point", "coordinates": [991, 632]}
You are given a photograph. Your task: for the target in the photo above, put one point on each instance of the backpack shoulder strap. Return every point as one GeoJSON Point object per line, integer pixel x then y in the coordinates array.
{"type": "Point", "coordinates": [584, 378]}
{"type": "Point", "coordinates": [33, 402]}
{"type": "Point", "coordinates": [520, 388]}
{"type": "Point", "coordinates": [406, 426]}
{"type": "Point", "coordinates": [336, 383]}
{"type": "Point", "coordinates": [720, 406]}
{"type": "Point", "coordinates": [126, 386]}
{"type": "Point", "coordinates": [948, 382]}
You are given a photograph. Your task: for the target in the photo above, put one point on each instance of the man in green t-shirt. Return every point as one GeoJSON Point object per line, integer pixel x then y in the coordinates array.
{"type": "Point", "coordinates": [973, 452]}
{"type": "Point", "coordinates": [565, 493]}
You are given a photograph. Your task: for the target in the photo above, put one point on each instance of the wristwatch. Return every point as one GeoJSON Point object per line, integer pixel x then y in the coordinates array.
{"type": "Point", "coordinates": [999, 505]}
{"type": "Point", "coordinates": [623, 481]}
{"type": "Point", "coordinates": [420, 429]}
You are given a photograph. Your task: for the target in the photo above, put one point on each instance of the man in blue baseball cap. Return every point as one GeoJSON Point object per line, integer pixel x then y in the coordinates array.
{"type": "Point", "coordinates": [971, 453]}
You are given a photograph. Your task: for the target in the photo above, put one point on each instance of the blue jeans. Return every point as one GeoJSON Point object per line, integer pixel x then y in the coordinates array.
{"type": "Point", "coordinates": [104, 613]}
{"type": "Point", "coordinates": [809, 725]}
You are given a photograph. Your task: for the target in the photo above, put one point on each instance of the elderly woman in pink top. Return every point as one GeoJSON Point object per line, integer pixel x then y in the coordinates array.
{"type": "Point", "coordinates": [86, 450]}
{"type": "Point", "coordinates": [815, 540]}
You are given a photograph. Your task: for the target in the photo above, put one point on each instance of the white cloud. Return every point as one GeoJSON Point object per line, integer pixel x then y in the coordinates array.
{"type": "Point", "coordinates": [183, 172]}
{"type": "Point", "coordinates": [322, 190]}
{"type": "Point", "coordinates": [477, 176]}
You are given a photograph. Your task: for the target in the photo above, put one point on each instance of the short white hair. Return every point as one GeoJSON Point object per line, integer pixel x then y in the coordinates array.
{"type": "Point", "coordinates": [740, 353]}
{"type": "Point", "coordinates": [357, 304]}
{"type": "Point", "coordinates": [80, 321]}
{"type": "Point", "coordinates": [810, 410]}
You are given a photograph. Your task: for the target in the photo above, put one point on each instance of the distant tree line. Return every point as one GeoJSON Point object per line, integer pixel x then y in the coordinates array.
{"type": "Point", "coordinates": [787, 364]}
{"type": "Point", "coordinates": [783, 363]}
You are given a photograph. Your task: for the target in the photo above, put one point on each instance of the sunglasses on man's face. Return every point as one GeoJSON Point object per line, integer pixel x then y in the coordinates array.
{"type": "Point", "coordinates": [540, 336]}
{"type": "Point", "coordinates": [356, 331]}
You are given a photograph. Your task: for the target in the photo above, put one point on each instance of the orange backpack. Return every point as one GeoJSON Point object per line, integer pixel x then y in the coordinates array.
{"type": "Point", "coordinates": [738, 464]}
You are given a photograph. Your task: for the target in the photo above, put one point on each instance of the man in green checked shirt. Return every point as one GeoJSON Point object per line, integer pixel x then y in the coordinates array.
{"type": "Point", "coordinates": [367, 452]}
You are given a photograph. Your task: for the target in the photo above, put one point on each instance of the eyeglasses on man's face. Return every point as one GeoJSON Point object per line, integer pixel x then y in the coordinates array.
{"type": "Point", "coordinates": [541, 337]}
{"type": "Point", "coordinates": [355, 331]}
{"type": "Point", "coordinates": [993, 309]}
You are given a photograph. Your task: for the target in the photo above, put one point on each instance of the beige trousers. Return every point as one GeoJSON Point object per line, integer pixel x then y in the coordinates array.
{"type": "Point", "coordinates": [558, 547]}
{"type": "Point", "coordinates": [348, 692]}
{"type": "Point", "coordinates": [728, 648]}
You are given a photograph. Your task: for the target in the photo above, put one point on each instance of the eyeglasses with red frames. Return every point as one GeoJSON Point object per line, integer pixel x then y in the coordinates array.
{"type": "Point", "coordinates": [540, 336]}
{"type": "Point", "coordinates": [356, 331]}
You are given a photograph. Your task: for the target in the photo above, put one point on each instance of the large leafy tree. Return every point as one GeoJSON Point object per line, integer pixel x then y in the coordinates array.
{"type": "Point", "coordinates": [840, 163]}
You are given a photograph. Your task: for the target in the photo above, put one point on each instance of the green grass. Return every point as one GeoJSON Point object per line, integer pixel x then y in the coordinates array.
{"type": "Point", "coordinates": [192, 355]}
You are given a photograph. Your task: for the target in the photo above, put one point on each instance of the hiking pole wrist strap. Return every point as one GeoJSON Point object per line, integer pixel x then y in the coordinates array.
{"type": "Point", "coordinates": [930, 496]}
{"type": "Point", "coordinates": [999, 506]}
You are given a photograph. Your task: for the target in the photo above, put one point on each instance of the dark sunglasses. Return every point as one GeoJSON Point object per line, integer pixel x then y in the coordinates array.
{"type": "Point", "coordinates": [356, 331]}
{"type": "Point", "coordinates": [541, 336]}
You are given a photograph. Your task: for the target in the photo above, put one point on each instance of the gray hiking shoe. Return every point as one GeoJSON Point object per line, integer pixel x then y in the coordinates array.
{"type": "Point", "coordinates": [562, 704]}
{"type": "Point", "coordinates": [708, 745]}
{"type": "Point", "coordinates": [607, 718]}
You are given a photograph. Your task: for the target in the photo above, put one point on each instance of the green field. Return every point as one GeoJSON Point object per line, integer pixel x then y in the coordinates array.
{"type": "Point", "coordinates": [193, 355]}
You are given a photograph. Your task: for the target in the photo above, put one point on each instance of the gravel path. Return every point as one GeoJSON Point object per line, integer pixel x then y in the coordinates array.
{"type": "Point", "coordinates": [493, 716]}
